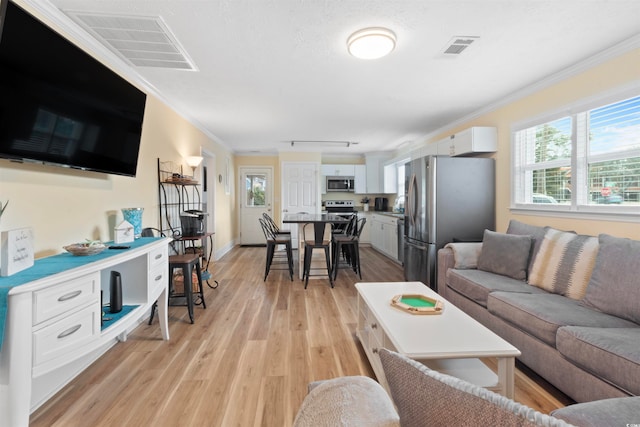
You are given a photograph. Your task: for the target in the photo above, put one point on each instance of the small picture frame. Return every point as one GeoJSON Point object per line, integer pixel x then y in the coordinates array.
{"type": "Point", "coordinates": [17, 251]}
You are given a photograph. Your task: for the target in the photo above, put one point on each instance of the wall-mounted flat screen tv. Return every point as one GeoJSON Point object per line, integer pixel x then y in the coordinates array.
{"type": "Point", "coordinates": [59, 105]}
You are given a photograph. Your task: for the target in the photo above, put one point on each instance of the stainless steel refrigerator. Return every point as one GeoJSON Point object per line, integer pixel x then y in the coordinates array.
{"type": "Point", "coordinates": [447, 199]}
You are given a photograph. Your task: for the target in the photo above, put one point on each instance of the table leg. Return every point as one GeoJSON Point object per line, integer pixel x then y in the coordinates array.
{"type": "Point", "coordinates": [506, 372]}
{"type": "Point", "coordinates": [188, 290]}
{"type": "Point", "coordinates": [162, 306]}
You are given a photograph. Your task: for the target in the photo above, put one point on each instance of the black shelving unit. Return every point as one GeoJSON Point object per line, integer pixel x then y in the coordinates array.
{"type": "Point", "coordinates": [177, 194]}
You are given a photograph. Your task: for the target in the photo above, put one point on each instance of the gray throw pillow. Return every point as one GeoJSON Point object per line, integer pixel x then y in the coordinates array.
{"type": "Point", "coordinates": [505, 254]}
{"type": "Point", "coordinates": [614, 287]}
{"type": "Point", "coordinates": [535, 231]}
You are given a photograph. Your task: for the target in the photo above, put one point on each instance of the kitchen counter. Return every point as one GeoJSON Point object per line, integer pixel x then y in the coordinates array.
{"type": "Point", "coordinates": [392, 214]}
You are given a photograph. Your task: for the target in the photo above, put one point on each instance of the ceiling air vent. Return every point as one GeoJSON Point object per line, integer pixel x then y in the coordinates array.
{"type": "Point", "coordinates": [459, 43]}
{"type": "Point", "coordinates": [142, 41]}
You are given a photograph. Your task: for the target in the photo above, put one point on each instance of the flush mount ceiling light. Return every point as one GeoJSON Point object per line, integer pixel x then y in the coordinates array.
{"type": "Point", "coordinates": [371, 43]}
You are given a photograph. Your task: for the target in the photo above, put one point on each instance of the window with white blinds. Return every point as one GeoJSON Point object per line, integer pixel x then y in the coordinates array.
{"type": "Point", "coordinates": [587, 160]}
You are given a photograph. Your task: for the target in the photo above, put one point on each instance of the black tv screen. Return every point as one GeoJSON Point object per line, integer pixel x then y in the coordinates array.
{"type": "Point", "coordinates": [59, 105]}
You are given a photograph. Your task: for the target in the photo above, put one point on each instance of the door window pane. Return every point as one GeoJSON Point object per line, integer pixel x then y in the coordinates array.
{"type": "Point", "coordinates": [256, 186]}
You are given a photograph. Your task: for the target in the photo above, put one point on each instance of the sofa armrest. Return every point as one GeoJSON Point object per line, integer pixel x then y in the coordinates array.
{"type": "Point", "coordinates": [456, 255]}
{"type": "Point", "coordinates": [446, 260]}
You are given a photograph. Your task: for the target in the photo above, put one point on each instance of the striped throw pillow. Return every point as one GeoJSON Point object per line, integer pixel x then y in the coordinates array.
{"type": "Point", "coordinates": [564, 263]}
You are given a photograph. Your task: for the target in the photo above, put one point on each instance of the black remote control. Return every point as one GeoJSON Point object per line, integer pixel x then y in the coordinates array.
{"type": "Point", "coordinates": [119, 247]}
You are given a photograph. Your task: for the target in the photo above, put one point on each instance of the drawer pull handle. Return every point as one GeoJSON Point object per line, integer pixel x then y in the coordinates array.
{"type": "Point", "coordinates": [158, 277]}
{"type": "Point", "coordinates": [71, 330]}
{"type": "Point", "coordinates": [374, 350]}
{"type": "Point", "coordinates": [158, 256]}
{"type": "Point", "coordinates": [70, 295]}
{"type": "Point", "coordinates": [374, 326]}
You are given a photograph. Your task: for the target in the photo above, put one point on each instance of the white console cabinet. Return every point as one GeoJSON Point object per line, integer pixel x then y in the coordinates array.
{"type": "Point", "coordinates": [53, 325]}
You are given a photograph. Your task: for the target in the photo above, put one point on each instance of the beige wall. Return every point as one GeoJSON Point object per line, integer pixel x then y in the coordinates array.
{"type": "Point", "coordinates": [607, 76]}
{"type": "Point", "coordinates": [65, 206]}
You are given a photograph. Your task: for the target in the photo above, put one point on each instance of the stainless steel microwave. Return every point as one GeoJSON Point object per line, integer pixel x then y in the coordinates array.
{"type": "Point", "coordinates": [340, 183]}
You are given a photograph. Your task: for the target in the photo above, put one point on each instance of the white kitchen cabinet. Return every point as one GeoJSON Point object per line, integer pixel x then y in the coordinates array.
{"type": "Point", "coordinates": [375, 172]}
{"type": "Point", "coordinates": [365, 234]}
{"type": "Point", "coordinates": [478, 139]}
{"type": "Point", "coordinates": [338, 170]}
{"type": "Point", "coordinates": [53, 329]}
{"type": "Point", "coordinates": [360, 179]}
{"type": "Point", "coordinates": [390, 185]}
{"type": "Point", "coordinates": [425, 150]}
{"type": "Point", "coordinates": [384, 235]}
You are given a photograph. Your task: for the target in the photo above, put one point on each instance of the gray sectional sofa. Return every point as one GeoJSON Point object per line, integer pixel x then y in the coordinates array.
{"type": "Point", "coordinates": [570, 303]}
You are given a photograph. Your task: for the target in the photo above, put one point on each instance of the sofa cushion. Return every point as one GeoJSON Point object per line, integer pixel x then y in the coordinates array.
{"type": "Point", "coordinates": [347, 401]}
{"type": "Point", "coordinates": [426, 397]}
{"type": "Point", "coordinates": [564, 263]}
{"type": "Point", "coordinates": [619, 411]}
{"type": "Point", "coordinates": [540, 315]}
{"type": "Point", "coordinates": [536, 233]}
{"type": "Point", "coordinates": [505, 254]}
{"type": "Point", "coordinates": [477, 285]}
{"type": "Point", "coordinates": [611, 353]}
{"type": "Point", "coordinates": [614, 287]}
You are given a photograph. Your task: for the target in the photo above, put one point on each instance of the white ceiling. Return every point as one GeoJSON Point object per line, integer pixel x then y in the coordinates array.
{"type": "Point", "coordinates": [273, 71]}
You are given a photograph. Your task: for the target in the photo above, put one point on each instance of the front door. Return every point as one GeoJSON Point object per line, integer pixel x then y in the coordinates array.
{"type": "Point", "coordinates": [299, 191]}
{"type": "Point", "coordinates": [256, 198]}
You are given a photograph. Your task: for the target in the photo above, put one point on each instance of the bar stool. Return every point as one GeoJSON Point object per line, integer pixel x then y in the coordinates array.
{"type": "Point", "coordinates": [273, 241]}
{"type": "Point", "coordinates": [272, 224]}
{"type": "Point", "coordinates": [351, 244]}
{"type": "Point", "coordinates": [187, 263]}
{"type": "Point", "coordinates": [318, 242]}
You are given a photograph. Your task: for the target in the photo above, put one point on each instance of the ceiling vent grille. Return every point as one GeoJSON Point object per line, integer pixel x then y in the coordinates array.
{"type": "Point", "coordinates": [458, 44]}
{"type": "Point", "coordinates": [142, 41]}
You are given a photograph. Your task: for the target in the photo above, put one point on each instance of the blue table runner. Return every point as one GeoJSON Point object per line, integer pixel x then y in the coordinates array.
{"type": "Point", "coordinates": [53, 265]}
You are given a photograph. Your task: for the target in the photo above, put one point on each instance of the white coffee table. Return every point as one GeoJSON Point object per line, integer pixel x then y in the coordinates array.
{"type": "Point", "coordinates": [450, 342]}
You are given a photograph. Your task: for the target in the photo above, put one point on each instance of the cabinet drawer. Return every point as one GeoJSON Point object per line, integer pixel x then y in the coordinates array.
{"type": "Point", "coordinates": [66, 335]}
{"type": "Point", "coordinates": [158, 280]}
{"type": "Point", "coordinates": [158, 256]}
{"type": "Point", "coordinates": [370, 324]}
{"type": "Point", "coordinates": [57, 299]}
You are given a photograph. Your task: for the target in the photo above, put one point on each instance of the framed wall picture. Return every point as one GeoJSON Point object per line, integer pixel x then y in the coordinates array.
{"type": "Point", "coordinates": [17, 251]}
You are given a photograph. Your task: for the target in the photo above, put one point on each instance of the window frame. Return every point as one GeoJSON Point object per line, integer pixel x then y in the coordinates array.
{"type": "Point", "coordinates": [578, 206]}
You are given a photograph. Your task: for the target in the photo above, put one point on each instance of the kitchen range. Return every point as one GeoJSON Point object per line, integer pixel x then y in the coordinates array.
{"type": "Point", "coordinates": [344, 208]}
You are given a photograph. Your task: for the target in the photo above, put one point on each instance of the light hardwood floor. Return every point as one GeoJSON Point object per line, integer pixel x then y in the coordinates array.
{"type": "Point", "coordinates": [246, 361]}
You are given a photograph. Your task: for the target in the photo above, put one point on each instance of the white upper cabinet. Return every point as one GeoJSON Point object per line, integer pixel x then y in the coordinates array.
{"type": "Point", "coordinates": [478, 139]}
{"type": "Point", "coordinates": [360, 179]}
{"type": "Point", "coordinates": [338, 170]}
{"type": "Point", "coordinates": [375, 172]}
